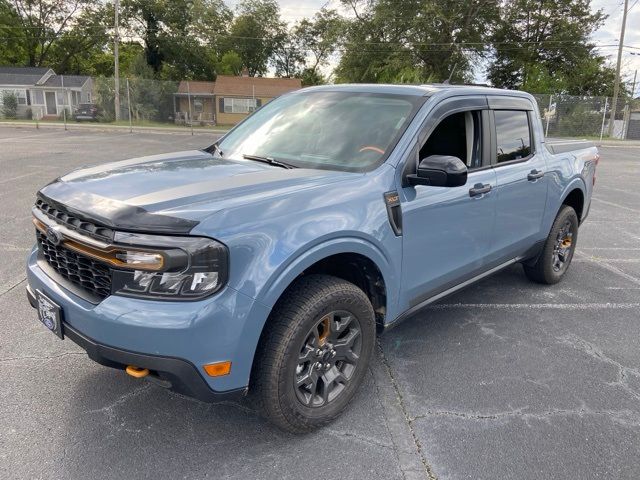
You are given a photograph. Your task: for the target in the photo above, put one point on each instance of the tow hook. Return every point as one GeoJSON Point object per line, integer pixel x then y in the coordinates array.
{"type": "Point", "coordinates": [137, 372]}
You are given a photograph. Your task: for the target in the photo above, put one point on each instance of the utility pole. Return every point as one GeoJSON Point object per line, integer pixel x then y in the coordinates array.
{"type": "Point", "coordinates": [116, 61]}
{"type": "Point", "coordinates": [616, 86]}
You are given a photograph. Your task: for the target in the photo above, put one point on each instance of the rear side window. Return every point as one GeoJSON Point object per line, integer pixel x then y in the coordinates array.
{"type": "Point", "coordinates": [513, 135]}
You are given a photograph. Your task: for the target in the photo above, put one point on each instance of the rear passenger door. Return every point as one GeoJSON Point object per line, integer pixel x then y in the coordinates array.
{"type": "Point", "coordinates": [520, 174]}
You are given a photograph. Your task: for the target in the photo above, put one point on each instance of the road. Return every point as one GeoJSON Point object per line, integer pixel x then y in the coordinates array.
{"type": "Point", "coordinates": [506, 379]}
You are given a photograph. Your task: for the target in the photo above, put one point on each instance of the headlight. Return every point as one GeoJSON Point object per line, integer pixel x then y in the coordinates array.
{"type": "Point", "coordinates": [193, 267]}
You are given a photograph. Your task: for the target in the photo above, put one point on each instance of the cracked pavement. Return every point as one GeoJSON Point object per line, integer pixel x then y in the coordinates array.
{"type": "Point", "coordinates": [505, 379]}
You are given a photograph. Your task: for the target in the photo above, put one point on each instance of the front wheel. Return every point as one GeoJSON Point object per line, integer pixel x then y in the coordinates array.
{"type": "Point", "coordinates": [556, 256]}
{"type": "Point", "coordinates": [314, 353]}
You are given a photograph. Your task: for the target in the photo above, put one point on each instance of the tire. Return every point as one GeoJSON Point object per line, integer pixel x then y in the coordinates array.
{"type": "Point", "coordinates": [556, 256]}
{"type": "Point", "coordinates": [288, 353]}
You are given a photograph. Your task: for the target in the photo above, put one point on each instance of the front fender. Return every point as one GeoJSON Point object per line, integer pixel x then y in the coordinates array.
{"type": "Point", "coordinates": [310, 254]}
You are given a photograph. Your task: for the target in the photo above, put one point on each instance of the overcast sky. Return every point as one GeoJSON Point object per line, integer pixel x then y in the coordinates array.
{"type": "Point", "coordinates": [609, 34]}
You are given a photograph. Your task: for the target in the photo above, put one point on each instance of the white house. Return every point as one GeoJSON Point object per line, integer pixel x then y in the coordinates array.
{"type": "Point", "coordinates": [44, 92]}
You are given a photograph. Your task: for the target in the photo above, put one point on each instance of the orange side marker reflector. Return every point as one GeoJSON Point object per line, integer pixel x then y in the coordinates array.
{"type": "Point", "coordinates": [137, 372]}
{"type": "Point", "coordinates": [218, 369]}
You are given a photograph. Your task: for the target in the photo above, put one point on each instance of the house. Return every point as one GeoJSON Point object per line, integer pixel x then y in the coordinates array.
{"type": "Point", "coordinates": [202, 102]}
{"type": "Point", "coordinates": [229, 99]}
{"type": "Point", "coordinates": [44, 93]}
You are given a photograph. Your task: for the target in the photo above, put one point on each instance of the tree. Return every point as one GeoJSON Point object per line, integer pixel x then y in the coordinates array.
{"type": "Point", "coordinates": [255, 33]}
{"type": "Point", "coordinates": [181, 38]}
{"type": "Point", "coordinates": [424, 40]}
{"type": "Point", "coordinates": [543, 46]}
{"type": "Point", "coordinates": [318, 38]}
{"type": "Point", "coordinates": [44, 23]}
{"type": "Point", "coordinates": [12, 50]}
{"type": "Point", "coordinates": [230, 64]}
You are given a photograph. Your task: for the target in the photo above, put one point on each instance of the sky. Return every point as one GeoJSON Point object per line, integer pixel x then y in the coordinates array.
{"type": "Point", "coordinates": [608, 34]}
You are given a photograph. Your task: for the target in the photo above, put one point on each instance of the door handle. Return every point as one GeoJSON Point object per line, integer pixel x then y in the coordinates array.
{"type": "Point", "coordinates": [535, 175]}
{"type": "Point", "coordinates": [479, 189]}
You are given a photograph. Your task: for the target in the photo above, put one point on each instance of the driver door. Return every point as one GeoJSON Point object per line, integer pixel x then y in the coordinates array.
{"type": "Point", "coordinates": [447, 231]}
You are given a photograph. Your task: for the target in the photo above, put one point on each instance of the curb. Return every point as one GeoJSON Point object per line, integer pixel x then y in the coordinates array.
{"type": "Point", "coordinates": [102, 128]}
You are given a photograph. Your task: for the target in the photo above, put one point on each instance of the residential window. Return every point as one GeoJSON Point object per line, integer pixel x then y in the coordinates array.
{"type": "Point", "coordinates": [197, 105]}
{"type": "Point", "coordinates": [513, 135]}
{"type": "Point", "coordinates": [239, 105]}
{"type": "Point", "coordinates": [60, 98]}
{"type": "Point", "coordinates": [21, 95]}
{"type": "Point", "coordinates": [38, 97]}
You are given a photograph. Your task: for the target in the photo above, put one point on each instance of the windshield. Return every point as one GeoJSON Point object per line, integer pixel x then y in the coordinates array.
{"type": "Point", "coordinates": [319, 129]}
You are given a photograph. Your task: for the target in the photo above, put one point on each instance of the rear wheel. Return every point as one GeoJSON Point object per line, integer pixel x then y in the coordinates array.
{"type": "Point", "coordinates": [556, 256]}
{"type": "Point", "coordinates": [314, 353]}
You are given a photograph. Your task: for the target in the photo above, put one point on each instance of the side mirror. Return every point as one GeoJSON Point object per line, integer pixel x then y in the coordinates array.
{"type": "Point", "coordinates": [440, 171]}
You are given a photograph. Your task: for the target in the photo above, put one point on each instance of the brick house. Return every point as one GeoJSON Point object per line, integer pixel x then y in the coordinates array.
{"type": "Point", "coordinates": [229, 99]}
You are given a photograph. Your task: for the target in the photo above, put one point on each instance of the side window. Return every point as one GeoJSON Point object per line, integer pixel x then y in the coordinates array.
{"type": "Point", "coordinates": [513, 136]}
{"type": "Point", "coordinates": [458, 135]}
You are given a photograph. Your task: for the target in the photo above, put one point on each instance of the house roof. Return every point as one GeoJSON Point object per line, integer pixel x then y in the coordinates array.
{"type": "Point", "coordinates": [195, 88]}
{"type": "Point", "coordinates": [68, 80]}
{"type": "Point", "coordinates": [21, 75]}
{"type": "Point", "coordinates": [258, 86]}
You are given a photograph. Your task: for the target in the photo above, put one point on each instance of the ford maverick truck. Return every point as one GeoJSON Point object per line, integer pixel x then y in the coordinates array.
{"type": "Point", "coordinates": [266, 263]}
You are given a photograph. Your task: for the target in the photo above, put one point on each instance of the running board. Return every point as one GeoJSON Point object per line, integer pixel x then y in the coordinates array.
{"type": "Point", "coordinates": [449, 291]}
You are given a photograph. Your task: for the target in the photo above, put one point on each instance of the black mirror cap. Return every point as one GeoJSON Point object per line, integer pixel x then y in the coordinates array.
{"type": "Point", "coordinates": [440, 171]}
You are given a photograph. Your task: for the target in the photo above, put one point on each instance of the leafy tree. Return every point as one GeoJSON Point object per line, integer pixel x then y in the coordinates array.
{"type": "Point", "coordinates": [181, 38]}
{"type": "Point", "coordinates": [544, 46]}
{"type": "Point", "coordinates": [423, 40]}
{"type": "Point", "coordinates": [45, 23]}
{"type": "Point", "coordinates": [288, 56]}
{"type": "Point", "coordinates": [255, 32]}
{"type": "Point", "coordinates": [12, 50]}
{"type": "Point", "coordinates": [318, 38]}
{"type": "Point", "coordinates": [230, 64]}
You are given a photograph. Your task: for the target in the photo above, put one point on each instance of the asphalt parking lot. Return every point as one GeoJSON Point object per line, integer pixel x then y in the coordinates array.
{"type": "Point", "coordinates": [506, 379]}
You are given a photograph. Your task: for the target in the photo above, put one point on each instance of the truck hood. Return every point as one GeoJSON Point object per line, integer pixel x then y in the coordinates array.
{"type": "Point", "coordinates": [173, 192]}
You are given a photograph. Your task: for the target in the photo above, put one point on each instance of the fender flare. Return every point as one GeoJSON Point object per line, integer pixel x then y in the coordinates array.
{"type": "Point", "coordinates": [578, 183]}
{"type": "Point", "coordinates": [310, 254]}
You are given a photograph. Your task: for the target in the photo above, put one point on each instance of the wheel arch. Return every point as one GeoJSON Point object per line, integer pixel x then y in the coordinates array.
{"type": "Point", "coordinates": [354, 259]}
{"type": "Point", "coordinates": [574, 197]}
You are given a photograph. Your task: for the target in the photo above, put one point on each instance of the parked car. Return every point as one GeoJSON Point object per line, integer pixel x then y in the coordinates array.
{"type": "Point", "coordinates": [86, 111]}
{"type": "Point", "coordinates": [268, 262]}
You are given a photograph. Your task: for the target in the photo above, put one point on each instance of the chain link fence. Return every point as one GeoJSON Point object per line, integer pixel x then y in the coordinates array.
{"type": "Point", "coordinates": [193, 105]}
{"type": "Point", "coordinates": [568, 116]}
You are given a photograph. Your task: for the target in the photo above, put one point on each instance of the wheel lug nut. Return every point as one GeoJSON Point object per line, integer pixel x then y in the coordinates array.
{"type": "Point", "coordinates": [333, 354]}
{"type": "Point", "coordinates": [327, 365]}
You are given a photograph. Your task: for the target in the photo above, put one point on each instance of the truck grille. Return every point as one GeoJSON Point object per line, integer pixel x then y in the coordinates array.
{"type": "Point", "coordinates": [92, 276]}
{"type": "Point", "coordinates": [73, 222]}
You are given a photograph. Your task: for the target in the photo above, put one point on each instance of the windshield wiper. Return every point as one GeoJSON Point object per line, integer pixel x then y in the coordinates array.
{"type": "Point", "coordinates": [269, 160]}
{"type": "Point", "coordinates": [216, 148]}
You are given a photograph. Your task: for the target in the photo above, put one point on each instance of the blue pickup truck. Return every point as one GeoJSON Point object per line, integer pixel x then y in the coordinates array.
{"type": "Point", "coordinates": [267, 263]}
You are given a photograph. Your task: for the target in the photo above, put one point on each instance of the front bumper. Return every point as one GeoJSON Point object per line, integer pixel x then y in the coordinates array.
{"type": "Point", "coordinates": [174, 340]}
{"type": "Point", "coordinates": [175, 373]}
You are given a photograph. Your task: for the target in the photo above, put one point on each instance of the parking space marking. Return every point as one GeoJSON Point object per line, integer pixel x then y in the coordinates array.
{"type": "Point", "coordinates": [600, 259]}
{"type": "Point", "coordinates": [537, 306]}
{"type": "Point", "coordinates": [617, 205]}
{"type": "Point", "coordinates": [611, 268]}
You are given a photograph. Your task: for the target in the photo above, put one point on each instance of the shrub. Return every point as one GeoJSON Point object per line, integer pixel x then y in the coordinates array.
{"type": "Point", "coordinates": [10, 105]}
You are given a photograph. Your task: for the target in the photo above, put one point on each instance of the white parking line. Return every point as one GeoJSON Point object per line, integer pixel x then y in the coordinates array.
{"type": "Point", "coordinates": [538, 306]}
{"type": "Point", "coordinates": [617, 205]}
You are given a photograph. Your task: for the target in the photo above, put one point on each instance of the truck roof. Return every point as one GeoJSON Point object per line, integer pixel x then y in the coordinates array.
{"type": "Point", "coordinates": [418, 90]}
